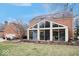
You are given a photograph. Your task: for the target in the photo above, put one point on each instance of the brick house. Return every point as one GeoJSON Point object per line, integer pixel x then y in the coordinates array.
{"type": "Point", "coordinates": [52, 27]}
{"type": "Point", "coordinates": [1, 34]}
{"type": "Point", "coordinates": [12, 29]}
{"type": "Point", "coordinates": [1, 30]}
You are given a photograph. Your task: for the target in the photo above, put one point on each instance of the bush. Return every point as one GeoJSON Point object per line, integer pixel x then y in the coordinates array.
{"type": "Point", "coordinates": [24, 37]}
{"type": "Point", "coordinates": [74, 42]}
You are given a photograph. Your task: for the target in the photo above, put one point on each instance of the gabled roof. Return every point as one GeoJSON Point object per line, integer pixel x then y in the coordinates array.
{"type": "Point", "coordinates": [2, 26]}
{"type": "Point", "coordinates": [64, 14]}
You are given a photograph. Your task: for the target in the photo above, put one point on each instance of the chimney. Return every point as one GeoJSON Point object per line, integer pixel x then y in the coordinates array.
{"type": "Point", "coordinates": [6, 22]}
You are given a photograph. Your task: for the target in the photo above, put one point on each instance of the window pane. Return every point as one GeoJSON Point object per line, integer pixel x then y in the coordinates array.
{"type": "Point", "coordinates": [42, 25]}
{"type": "Point", "coordinates": [47, 24]}
{"type": "Point", "coordinates": [30, 34]}
{"type": "Point", "coordinates": [55, 34]}
{"type": "Point", "coordinates": [62, 34]}
{"type": "Point", "coordinates": [42, 34]}
{"type": "Point", "coordinates": [33, 34]}
{"type": "Point", "coordinates": [55, 25]}
{"type": "Point", "coordinates": [60, 26]}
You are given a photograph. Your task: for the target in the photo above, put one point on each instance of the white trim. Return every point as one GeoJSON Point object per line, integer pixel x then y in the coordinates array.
{"type": "Point", "coordinates": [58, 35]}
{"type": "Point", "coordinates": [27, 34]}
{"type": "Point", "coordinates": [51, 32]}
{"type": "Point", "coordinates": [48, 21]}
{"type": "Point", "coordinates": [38, 33]}
{"type": "Point", "coordinates": [66, 34]}
{"type": "Point", "coordinates": [33, 29]}
{"type": "Point", "coordinates": [48, 28]}
{"type": "Point", "coordinates": [59, 24]}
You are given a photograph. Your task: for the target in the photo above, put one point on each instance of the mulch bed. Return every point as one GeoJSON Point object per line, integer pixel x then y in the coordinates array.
{"type": "Point", "coordinates": [46, 42]}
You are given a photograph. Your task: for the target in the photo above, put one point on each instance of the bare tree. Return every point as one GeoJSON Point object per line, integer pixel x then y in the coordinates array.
{"type": "Point", "coordinates": [22, 27]}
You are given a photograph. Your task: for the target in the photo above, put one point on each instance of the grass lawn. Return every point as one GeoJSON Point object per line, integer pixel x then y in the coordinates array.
{"type": "Point", "coordinates": [31, 49]}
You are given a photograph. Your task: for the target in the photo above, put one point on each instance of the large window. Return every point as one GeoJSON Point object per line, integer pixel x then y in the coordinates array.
{"type": "Point", "coordinates": [58, 31]}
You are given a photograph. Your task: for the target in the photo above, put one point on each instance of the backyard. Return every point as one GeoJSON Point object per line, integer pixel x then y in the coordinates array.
{"type": "Point", "coordinates": [10, 48]}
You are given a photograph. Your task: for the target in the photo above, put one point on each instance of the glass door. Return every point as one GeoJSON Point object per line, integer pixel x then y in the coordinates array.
{"type": "Point", "coordinates": [55, 34]}
{"type": "Point", "coordinates": [44, 34]}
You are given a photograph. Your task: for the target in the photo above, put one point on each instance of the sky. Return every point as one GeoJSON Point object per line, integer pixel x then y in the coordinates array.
{"type": "Point", "coordinates": [27, 11]}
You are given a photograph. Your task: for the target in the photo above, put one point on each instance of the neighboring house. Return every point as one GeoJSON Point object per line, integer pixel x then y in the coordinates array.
{"type": "Point", "coordinates": [1, 33]}
{"type": "Point", "coordinates": [52, 27]}
{"type": "Point", "coordinates": [1, 30]}
{"type": "Point", "coordinates": [14, 29]}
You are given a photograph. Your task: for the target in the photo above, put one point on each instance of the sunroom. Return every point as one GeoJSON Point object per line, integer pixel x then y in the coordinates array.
{"type": "Point", "coordinates": [48, 30]}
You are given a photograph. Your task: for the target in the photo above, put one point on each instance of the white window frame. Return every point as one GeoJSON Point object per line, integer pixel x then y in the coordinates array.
{"type": "Point", "coordinates": [51, 27]}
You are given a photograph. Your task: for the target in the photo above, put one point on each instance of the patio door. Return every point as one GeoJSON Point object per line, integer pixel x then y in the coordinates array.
{"type": "Point", "coordinates": [44, 34]}
{"type": "Point", "coordinates": [58, 34]}
{"type": "Point", "coordinates": [55, 34]}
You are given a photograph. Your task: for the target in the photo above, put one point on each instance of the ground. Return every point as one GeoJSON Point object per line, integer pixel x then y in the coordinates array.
{"type": "Point", "coordinates": [10, 48]}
